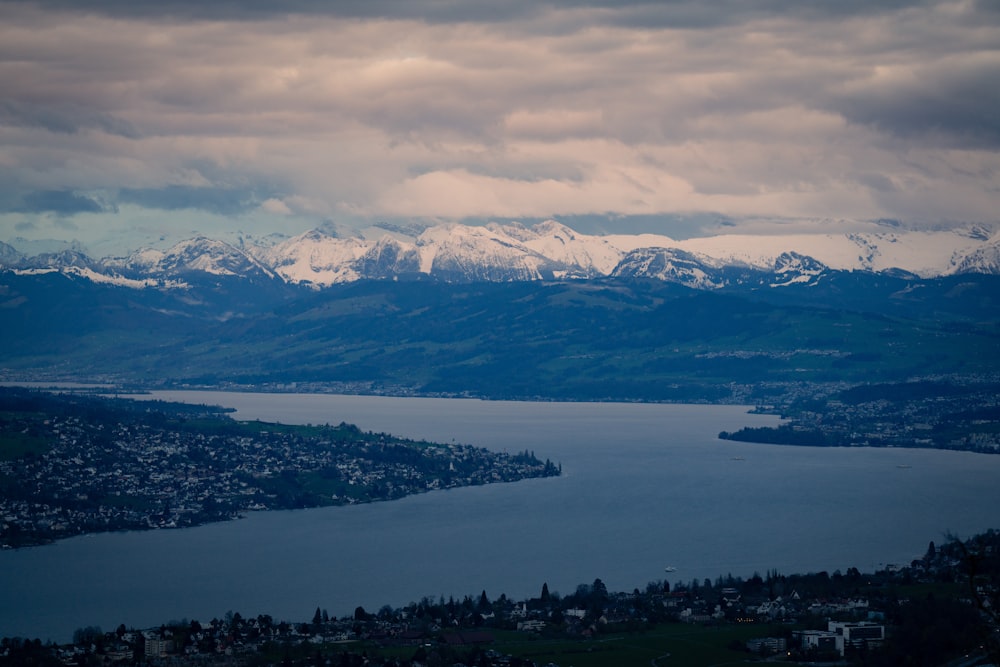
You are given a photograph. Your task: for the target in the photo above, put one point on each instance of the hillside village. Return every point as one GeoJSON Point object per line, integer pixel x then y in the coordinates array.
{"type": "Point", "coordinates": [74, 464]}
{"type": "Point", "coordinates": [937, 607]}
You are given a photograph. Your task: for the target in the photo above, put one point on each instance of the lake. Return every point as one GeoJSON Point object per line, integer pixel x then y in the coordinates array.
{"type": "Point", "coordinates": [643, 487]}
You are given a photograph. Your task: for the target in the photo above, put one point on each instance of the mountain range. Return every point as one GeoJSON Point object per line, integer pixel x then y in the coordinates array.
{"type": "Point", "coordinates": [507, 311]}
{"type": "Point", "coordinates": [547, 251]}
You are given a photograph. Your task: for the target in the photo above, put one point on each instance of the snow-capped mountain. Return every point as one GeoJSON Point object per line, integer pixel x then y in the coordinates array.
{"type": "Point", "coordinates": [923, 253]}
{"type": "Point", "coordinates": [388, 258]}
{"type": "Point", "coordinates": [461, 252]}
{"type": "Point", "coordinates": [983, 259]}
{"type": "Point", "coordinates": [571, 255]}
{"type": "Point", "coordinates": [498, 253]}
{"type": "Point", "coordinates": [197, 255]}
{"type": "Point", "coordinates": [315, 257]}
{"type": "Point", "coordinates": [549, 250]}
{"type": "Point", "coordinates": [791, 267]}
{"type": "Point", "coordinates": [670, 265]}
{"type": "Point", "coordinates": [9, 255]}
{"type": "Point", "coordinates": [59, 260]}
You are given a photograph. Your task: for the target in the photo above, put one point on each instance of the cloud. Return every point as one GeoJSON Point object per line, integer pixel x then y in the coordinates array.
{"type": "Point", "coordinates": [222, 201]}
{"type": "Point", "coordinates": [630, 13]}
{"type": "Point", "coordinates": [276, 206]}
{"type": "Point", "coordinates": [954, 101]}
{"type": "Point", "coordinates": [61, 202]}
{"type": "Point", "coordinates": [456, 109]}
{"type": "Point", "coordinates": [65, 118]}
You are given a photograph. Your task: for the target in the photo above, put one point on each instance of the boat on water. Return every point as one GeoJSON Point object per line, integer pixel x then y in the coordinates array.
{"type": "Point", "coordinates": [670, 568]}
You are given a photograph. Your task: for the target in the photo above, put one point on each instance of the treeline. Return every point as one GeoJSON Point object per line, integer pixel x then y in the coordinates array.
{"type": "Point", "coordinates": [785, 434]}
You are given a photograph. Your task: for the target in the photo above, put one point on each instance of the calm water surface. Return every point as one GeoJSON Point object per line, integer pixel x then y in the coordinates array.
{"type": "Point", "coordinates": [643, 487]}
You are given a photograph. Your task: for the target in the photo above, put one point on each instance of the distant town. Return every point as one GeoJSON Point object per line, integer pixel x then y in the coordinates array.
{"type": "Point", "coordinates": [73, 464]}
{"type": "Point", "coordinates": [941, 608]}
{"type": "Point", "coordinates": [934, 413]}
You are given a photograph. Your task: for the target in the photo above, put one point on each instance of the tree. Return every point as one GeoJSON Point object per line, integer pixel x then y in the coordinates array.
{"type": "Point", "coordinates": [933, 628]}
{"type": "Point", "coordinates": [317, 618]}
{"type": "Point", "coordinates": [545, 593]}
{"type": "Point", "coordinates": [598, 598]}
{"type": "Point", "coordinates": [599, 590]}
{"type": "Point", "coordinates": [980, 558]}
{"type": "Point", "coordinates": [88, 635]}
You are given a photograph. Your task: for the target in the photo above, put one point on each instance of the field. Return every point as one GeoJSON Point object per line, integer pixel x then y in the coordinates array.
{"type": "Point", "coordinates": [663, 644]}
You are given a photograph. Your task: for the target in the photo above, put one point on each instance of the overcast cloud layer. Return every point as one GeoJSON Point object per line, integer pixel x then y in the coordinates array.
{"type": "Point", "coordinates": [151, 119]}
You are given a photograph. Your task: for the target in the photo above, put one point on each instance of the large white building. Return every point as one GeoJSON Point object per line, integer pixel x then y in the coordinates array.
{"type": "Point", "coordinates": [841, 635]}
{"type": "Point", "coordinates": [157, 646]}
{"type": "Point", "coordinates": [856, 634]}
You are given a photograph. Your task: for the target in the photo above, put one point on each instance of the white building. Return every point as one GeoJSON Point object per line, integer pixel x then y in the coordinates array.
{"type": "Point", "coordinates": [856, 635]}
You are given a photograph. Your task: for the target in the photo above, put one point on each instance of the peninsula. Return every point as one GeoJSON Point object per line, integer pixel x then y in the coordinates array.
{"type": "Point", "coordinates": [73, 464]}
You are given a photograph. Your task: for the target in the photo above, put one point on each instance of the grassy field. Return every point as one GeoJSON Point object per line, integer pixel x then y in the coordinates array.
{"type": "Point", "coordinates": [673, 644]}
{"type": "Point", "coordinates": [663, 645]}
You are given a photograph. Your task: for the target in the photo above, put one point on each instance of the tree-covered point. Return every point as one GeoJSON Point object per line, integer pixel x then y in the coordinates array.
{"type": "Point", "coordinates": [73, 464]}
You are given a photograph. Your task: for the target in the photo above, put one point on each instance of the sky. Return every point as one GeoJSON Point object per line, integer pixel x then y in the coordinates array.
{"type": "Point", "coordinates": [129, 122]}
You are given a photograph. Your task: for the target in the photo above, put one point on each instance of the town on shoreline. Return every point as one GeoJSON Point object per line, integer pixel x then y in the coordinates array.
{"type": "Point", "coordinates": [960, 414]}
{"type": "Point", "coordinates": [941, 606]}
{"type": "Point", "coordinates": [72, 464]}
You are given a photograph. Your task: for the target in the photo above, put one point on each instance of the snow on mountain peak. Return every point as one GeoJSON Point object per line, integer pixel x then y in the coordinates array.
{"type": "Point", "coordinates": [315, 257]}
{"type": "Point", "coordinates": [478, 253]}
{"type": "Point", "coordinates": [791, 268]}
{"type": "Point", "coordinates": [513, 251]}
{"type": "Point", "coordinates": [982, 259]}
{"type": "Point", "coordinates": [923, 253]}
{"type": "Point", "coordinates": [670, 265]}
